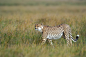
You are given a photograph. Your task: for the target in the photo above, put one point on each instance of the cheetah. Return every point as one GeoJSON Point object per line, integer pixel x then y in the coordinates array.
{"type": "Point", "coordinates": [56, 32]}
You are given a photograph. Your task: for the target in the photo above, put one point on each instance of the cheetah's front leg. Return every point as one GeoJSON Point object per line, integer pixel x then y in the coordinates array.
{"type": "Point", "coordinates": [43, 41]}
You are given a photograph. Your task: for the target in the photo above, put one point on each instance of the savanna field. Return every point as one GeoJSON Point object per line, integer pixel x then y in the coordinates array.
{"type": "Point", "coordinates": [18, 37]}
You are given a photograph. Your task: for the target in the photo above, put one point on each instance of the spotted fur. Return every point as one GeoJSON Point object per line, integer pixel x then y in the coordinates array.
{"type": "Point", "coordinates": [56, 32]}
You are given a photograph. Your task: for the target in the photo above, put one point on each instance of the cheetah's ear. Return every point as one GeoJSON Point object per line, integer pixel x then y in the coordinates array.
{"type": "Point", "coordinates": [41, 23]}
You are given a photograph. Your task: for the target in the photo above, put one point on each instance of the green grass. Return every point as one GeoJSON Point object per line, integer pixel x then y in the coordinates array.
{"type": "Point", "coordinates": [18, 37]}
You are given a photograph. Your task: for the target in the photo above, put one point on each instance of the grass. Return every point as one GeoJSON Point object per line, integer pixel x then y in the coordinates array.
{"type": "Point", "coordinates": [42, 2]}
{"type": "Point", "coordinates": [18, 37]}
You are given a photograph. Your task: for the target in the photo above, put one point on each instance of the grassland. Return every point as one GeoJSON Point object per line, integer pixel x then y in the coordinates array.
{"type": "Point", "coordinates": [18, 37]}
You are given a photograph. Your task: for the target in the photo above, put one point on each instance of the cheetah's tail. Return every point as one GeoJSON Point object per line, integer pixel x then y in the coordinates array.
{"type": "Point", "coordinates": [74, 40]}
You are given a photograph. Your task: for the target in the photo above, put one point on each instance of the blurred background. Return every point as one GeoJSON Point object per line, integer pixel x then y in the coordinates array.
{"type": "Point", "coordinates": [18, 37]}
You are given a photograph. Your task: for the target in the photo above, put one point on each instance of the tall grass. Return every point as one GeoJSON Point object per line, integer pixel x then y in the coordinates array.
{"type": "Point", "coordinates": [18, 37]}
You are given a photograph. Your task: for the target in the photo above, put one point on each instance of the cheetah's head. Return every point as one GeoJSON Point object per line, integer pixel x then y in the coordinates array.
{"type": "Point", "coordinates": [39, 27]}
